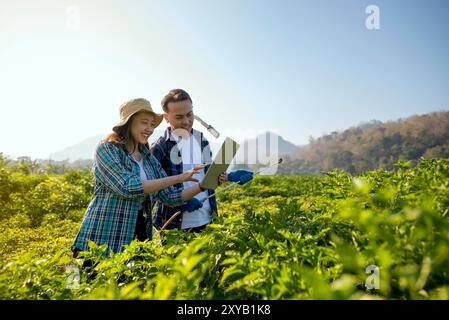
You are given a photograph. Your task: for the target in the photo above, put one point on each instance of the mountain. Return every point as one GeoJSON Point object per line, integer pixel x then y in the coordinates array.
{"type": "Point", "coordinates": [266, 147]}
{"type": "Point", "coordinates": [82, 150]}
{"type": "Point", "coordinates": [370, 124]}
{"type": "Point", "coordinates": [366, 146]}
{"type": "Point", "coordinates": [86, 148]}
{"type": "Point", "coordinates": [374, 145]}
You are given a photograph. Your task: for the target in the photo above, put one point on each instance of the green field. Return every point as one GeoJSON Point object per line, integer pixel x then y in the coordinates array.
{"type": "Point", "coordinates": [377, 235]}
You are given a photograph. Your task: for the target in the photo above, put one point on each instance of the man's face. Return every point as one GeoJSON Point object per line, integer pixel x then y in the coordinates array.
{"type": "Point", "coordinates": [180, 115]}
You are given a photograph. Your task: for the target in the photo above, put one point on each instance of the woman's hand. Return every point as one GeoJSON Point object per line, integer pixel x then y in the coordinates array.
{"type": "Point", "coordinates": [187, 176]}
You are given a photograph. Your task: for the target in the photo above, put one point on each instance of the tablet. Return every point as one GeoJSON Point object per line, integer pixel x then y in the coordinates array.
{"type": "Point", "coordinates": [220, 164]}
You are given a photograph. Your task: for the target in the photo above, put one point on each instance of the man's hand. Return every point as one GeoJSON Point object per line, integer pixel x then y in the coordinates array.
{"type": "Point", "coordinates": [192, 205]}
{"type": "Point", "coordinates": [222, 178]}
{"type": "Point", "coordinates": [241, 176]}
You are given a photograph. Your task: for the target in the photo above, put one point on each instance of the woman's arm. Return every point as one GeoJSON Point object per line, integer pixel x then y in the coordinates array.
{"type": "Point", "coordinates": [170, 195]}
{"type": "Point", "coordinates": [155, 185]}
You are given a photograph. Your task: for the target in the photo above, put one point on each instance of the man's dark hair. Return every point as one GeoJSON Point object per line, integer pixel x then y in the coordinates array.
{"type": "Point", "coordinates": [175, 95]}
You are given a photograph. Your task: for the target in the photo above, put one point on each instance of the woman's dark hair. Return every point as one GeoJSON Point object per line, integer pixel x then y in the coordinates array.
{"type": "Point", "coordinates": [122, 135]}
{"type": "Point", "coordinates": [175, 95]}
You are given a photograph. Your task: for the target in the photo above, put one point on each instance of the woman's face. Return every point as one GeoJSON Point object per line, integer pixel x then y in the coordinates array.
{"type": "Point", "coordinates": [142, 127]}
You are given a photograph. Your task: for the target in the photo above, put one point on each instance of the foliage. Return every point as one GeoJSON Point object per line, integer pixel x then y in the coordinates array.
{"type": "Point", "coordinates": [304, 237]}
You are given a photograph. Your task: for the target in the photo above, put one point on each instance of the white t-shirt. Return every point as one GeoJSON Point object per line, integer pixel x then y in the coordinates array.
{"type": "Point", "coordinates": [143, 175]}
{"type": "Point", "coordinates": [191, 156]}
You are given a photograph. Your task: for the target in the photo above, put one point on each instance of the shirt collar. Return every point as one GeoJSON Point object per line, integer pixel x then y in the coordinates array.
{"type": "Point", "coordinates": [169, 136]}
{"type": "Point", "coordinates": [144, 149]}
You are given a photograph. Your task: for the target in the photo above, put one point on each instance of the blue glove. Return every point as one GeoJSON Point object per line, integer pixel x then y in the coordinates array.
{"type": "Point", "coordinates": [241, 176]}
{"type": "Point", "coordinates": [192, 205]}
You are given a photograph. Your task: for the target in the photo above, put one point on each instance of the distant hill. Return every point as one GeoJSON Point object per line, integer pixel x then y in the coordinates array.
{"type": "Point", "coordinates": [374, 145]}
{"type": "Point", "coordinates": [370, 124]}
{"type": "Point", "coordinates": [86, 148]}
{"type": "Point", "coordinates": [264, 146]}
{"type": "Point", "coordinates": [80, 151]}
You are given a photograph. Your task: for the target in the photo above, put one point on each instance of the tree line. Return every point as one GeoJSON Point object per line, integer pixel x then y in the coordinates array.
{"type": "Point", "coordinates": [375, 145]}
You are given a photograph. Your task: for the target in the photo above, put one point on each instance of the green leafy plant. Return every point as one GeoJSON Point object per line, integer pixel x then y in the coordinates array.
{"type": "Point", "coordinates": [377, 235]}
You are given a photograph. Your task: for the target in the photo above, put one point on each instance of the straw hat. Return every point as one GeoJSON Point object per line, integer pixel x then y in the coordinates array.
{"type": "Point", "coordinates": [131, 107]}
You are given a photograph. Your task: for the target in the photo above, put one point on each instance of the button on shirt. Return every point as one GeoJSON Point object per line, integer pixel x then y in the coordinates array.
{"type": "Point", "coordinates": [191, 156]}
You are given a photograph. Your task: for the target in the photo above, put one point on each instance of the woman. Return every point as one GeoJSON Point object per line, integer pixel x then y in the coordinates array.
{"type": "Point", "coordinates": [128, 179]}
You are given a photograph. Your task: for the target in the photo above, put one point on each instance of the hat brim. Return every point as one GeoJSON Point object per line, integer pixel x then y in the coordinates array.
{"type": "Point", "coordinates": [158, 118]}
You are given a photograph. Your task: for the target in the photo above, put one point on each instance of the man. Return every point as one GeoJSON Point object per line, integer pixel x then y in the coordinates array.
{"type": "Point", "coordinates": [178, 150]}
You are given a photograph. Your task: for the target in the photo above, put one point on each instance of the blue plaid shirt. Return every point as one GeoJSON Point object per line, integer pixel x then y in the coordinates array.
{"type": "Point", "coordinates": [162, 149]}
{"type": "Point", "coordinates": [118, 192]}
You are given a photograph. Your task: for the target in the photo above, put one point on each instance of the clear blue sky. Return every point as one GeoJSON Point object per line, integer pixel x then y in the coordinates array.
{"type": "Point", "coordinates": [298, 68]}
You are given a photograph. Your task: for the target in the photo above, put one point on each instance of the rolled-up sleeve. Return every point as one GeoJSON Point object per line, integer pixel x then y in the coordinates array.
{"type": "Point", "coordinates": [112, 172]}
{"type": "Point", "coordinates": [170, 196]}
